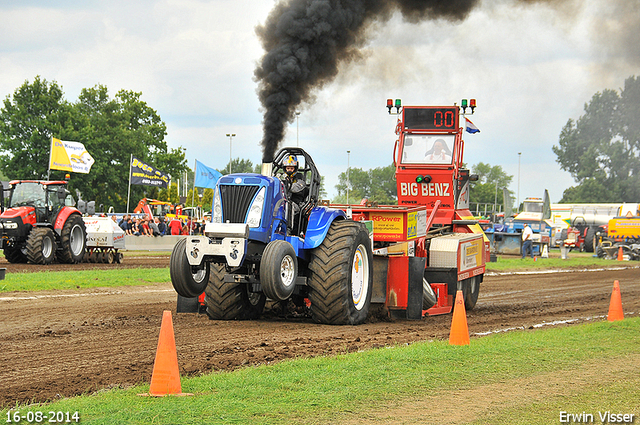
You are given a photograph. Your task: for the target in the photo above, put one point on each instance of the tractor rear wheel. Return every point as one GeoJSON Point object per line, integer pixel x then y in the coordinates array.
{"type": "Point", "coordinates": [41, 246]}
{"type": "Point", "coordinates": [14, 255]}
{"type": "Point", "coordinates": [341, 275]}
{"type": "Point", "coordinates": [231, 300]}
{"type": "Point", "coordinates": [188, 281]}
{"type": "Point", "coordinates": [73, 240]}
{"type": "Point", "coordinates": [278, 270]}
{"type": "Point", "coordinates": [589, 237]}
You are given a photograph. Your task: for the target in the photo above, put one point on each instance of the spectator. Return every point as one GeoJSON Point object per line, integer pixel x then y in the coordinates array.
{"type": "Point", "coordinates": [162, 228]}
{"type": "Point", "coordinates": [175, 226]}
{"type": "Point", "coordinates": [129, 226]}
{"type": "Point", "coordinates": [153, 225]}
{"type": "Point", "coordinates": [146, 230]}
{"type": "Point", "coordinates": [135, 228]}
{"type": "Point", "coordinates": [124, 223]}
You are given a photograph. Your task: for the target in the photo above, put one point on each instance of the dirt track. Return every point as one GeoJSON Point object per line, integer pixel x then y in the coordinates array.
{"type": "Point", "coordinates": [62, 343]}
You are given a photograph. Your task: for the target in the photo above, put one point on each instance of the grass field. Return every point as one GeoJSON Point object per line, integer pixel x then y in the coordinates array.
{"type": "Point", "coordinates": [525, 377]}
{"type": "Point", "coordinates": [79, 279]}
{"type": "Point", "coordinates": [575, 260]}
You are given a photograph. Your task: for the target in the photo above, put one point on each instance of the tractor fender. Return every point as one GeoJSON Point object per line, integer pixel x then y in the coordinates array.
{"type": "Point", "coordinates": [319, 221]}
{"type": "Point", "coordinates": [62, 217]}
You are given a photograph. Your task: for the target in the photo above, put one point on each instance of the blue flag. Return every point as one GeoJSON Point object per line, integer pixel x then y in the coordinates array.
{"type": "Point", "coordinates": [205, 176]}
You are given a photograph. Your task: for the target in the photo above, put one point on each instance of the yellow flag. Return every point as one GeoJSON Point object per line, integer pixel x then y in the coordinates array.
{"type": "Point", "coordinates": [70, 156]}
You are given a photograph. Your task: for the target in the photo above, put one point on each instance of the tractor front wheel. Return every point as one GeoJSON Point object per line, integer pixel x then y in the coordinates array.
{"type": "Point", "coordinates": [41, 246]}
{"type": "Point", "coordinates": [73, 240]}
{"type": "Point", "coordinates": [231, 300]}
{"type": "Point", "coordinates": [341, 279]}
{"type": "Point", "coordinates": [278, 270]}
{"type": "Point", "coordinates": [15, 255]}
{"type": "Point", "coordinates": [188, 281]}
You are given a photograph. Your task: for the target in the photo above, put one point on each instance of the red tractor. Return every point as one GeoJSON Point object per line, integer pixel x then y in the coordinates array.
{"type": "Point", "coordinates": [39, 224]}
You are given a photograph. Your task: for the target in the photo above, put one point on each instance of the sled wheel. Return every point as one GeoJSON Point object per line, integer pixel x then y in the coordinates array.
{"type": "Point", "coordinates": [278, 270]}
{"type": "Point", "coordinates": [470, 291]}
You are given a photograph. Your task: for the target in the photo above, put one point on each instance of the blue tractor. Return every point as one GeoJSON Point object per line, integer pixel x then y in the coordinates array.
{"type": "Point", "coordinates": [263, 243]}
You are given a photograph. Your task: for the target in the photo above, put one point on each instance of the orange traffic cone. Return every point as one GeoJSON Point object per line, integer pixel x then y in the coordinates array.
{"type": "Point", "coordinates": [459, 331]}
{"type": "Point", "coordinates": [165, 379]}
{"type": "Point", "coordinates": [620, 256]}
{"type": "Point", "coordinates": [615, 306]}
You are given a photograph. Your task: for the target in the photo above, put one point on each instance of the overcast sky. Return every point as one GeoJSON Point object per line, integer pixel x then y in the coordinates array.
{"type": "Point", "coordinates": [531, 68]}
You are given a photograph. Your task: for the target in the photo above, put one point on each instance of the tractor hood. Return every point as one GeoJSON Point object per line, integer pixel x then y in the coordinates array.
{"type": "Point", "coordinates": [19, 212]}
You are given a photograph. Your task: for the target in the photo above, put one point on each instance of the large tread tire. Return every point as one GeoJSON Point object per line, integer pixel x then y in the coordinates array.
{"type": "Point", "coordinates": [278, 270]}
{"type": "Point", "coordinates": [589, 237]}
{"type": "Point", "coordinates": [230, 300]}
{"type": "Point", "coordinates": [187, 280]}
{"type": "Point", "coordinates": [73, 240]}
{"type": "Point", "coordinates": [15, 255]}
{"type": "Point", "coordinates": [40, 247]}
{"type": "Point", "coordinates": [334, 298]}
{"type": "Point", "coordinates": [470, 291]}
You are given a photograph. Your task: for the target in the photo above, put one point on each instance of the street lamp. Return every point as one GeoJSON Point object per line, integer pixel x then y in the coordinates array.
{"type": "Point", "coordinates": [185, 173]}
{"type": "Point", "coordinates": [297, 129]}
{"type": "Point", "coordinates": [518, 206]}
{"type": "Point", "coordinates": [230, 136]}
{"type": "Point", "coordinates": [348, 181]}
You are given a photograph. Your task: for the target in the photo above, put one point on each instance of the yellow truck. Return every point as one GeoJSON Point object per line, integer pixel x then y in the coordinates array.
{"type": "Point", "coordinates": [622, 236]}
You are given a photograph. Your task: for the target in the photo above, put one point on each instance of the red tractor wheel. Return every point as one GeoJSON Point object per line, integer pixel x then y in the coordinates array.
{"type": "Point", "coordinates": [41, 246]}
{"type": "Point", "coordinates": [73, 240]}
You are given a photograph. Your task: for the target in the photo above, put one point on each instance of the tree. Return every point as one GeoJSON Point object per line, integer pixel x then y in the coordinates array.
{"type": "Point", "coordinates": [241, 166]}
{"type": "Point", "coordinates": [377, 185]}
{"type": "Point", "coordinates": [27, 122]}
{"type": "Point", "coordinates": [207, 199]}
{"type": "Point", "coordinates": [601, 149]}
{"type": "Point", "coordinates": [112, 130]}
{"type": "Point", "coordinates": [491, 181]}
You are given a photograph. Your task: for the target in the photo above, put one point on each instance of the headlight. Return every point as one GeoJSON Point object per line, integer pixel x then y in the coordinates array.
{"type": "Point", "coordinates": [255, 212]}
{"type": "Point", "coordinates": [216, 212]}
{"type": "Point", "coordinates": [1, 225]}
{"type": "Point", "coordinates": [11, 225]}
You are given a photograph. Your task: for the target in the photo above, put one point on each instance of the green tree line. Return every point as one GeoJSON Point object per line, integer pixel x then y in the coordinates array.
{"type": "Point", "coordinates": [111, 129]}
{"type": "Point", "coordinates": [601, 149]}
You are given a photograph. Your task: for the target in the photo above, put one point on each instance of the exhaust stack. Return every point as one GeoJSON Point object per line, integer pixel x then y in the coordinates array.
{"type": "Point", "coordinates": [266, 169]}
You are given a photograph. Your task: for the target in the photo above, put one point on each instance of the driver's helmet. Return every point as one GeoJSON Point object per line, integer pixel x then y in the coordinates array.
{"type": "Point", "coordinates": [290, 161]}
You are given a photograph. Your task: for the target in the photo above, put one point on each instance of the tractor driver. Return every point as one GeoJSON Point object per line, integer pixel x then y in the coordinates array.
{"type": "Point", "coordinates": [296, 188]}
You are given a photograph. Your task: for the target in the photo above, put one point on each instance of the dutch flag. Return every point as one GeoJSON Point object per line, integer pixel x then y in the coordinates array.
{"type": "Point", "coordinates": [471, 127]}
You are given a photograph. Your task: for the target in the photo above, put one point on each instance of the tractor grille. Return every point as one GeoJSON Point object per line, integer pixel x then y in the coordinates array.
{"type": "Point", "coordinates": [236, 201]}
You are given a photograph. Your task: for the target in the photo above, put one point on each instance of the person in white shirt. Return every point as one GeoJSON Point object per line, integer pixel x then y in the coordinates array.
{"type": "Point", "coordinates": [439, 152]}
{"type": "Point", "coordinates": [527, 234]}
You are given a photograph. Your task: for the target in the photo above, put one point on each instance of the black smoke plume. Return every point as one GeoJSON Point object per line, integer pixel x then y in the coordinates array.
{"type": "Point", "coordinates": [306, 40]}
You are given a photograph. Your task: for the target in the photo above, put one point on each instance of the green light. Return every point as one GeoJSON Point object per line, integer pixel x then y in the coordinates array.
{"type": "Point", "coordinates": [464, 103]}
{"type": "Point", "coordinates": [419, 179]}
{"type": "Point", "coordinates": [398, 103]}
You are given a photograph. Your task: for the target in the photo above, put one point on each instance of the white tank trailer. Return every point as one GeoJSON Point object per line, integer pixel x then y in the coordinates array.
{"type": "Point", "coordinates": [104, 239]}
